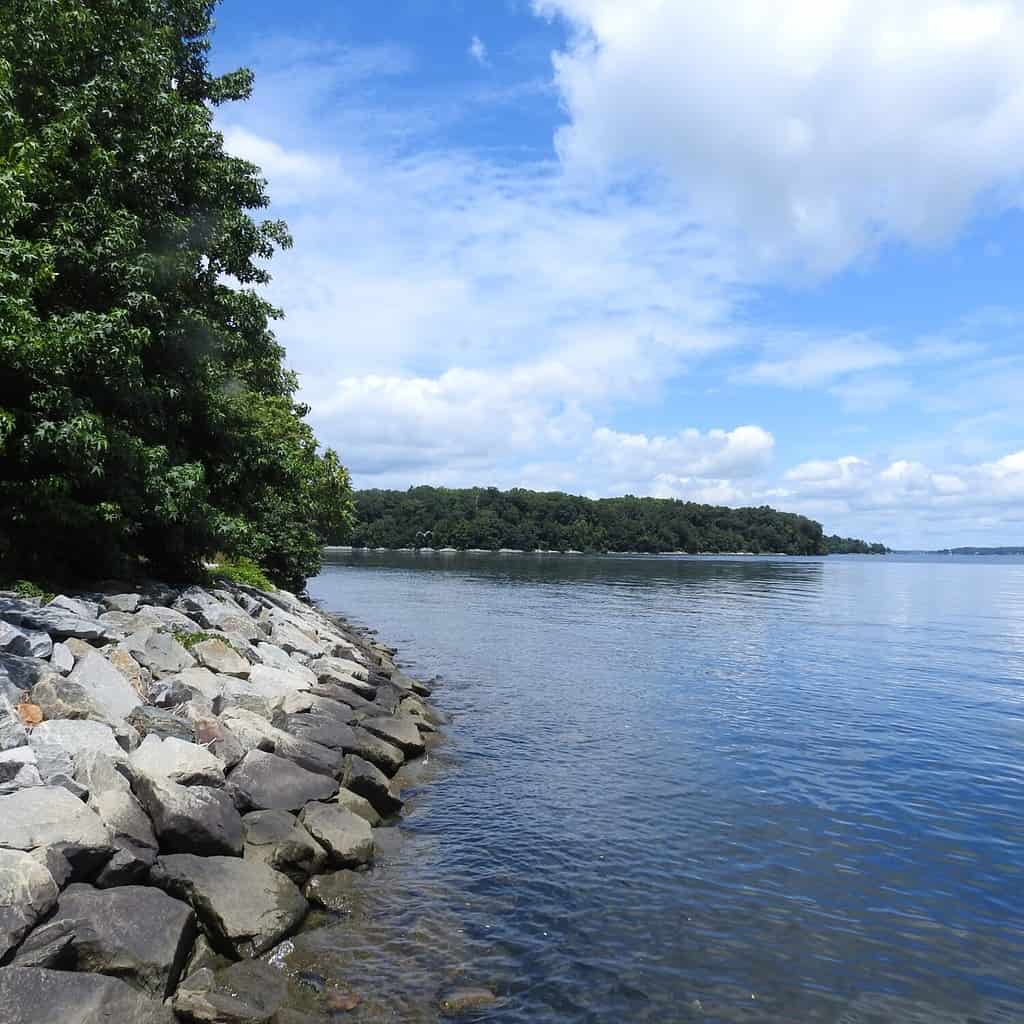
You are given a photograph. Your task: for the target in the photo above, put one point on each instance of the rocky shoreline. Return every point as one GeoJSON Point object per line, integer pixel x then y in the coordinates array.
{"type": "Point", "coordinates": [181, 769]}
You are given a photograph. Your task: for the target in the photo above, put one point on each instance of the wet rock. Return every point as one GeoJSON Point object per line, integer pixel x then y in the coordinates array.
{"type": "Point", "coordinates": [458, 1001]}
{"type": "Point", "coordinates": [188, 764]}
{"type": "Point", "coordinates": [245, 907]}
{"type": "Point", "coordinates": [33, 995]}
{"type": "Point", "coordinates": [79, 737]}
{"type": "Point", "coordinates": [347, 838]}
{"type": "Point", "coordinates": [136, 933]}
{"type": "Point", "coordinates": [190, 818]}
{"type": "Point", "coordinates": [335, 891]}
{"type": "Point", "coordinates": [50, 945]}
{"type": "Point", "coordinates": [276, 839]}
{"type": "Point", "coordinates": [122, 602]}
{"type": "Point", "coordinates": [398, 730]}
{"type": "Point", "coordinates": [12, 729]}
{"type": "Point", "coordinates": [108, 690]}
{"type": "Point", "coordinates": [263, 781]}
{"type": "Point", "coordinates": [51, 817]}
{"type": "Point", "coordinates": [370, 782]}
{"type": "Point", "coordinates": [159, 652]}
{"type": "Point", "coordinates": [27, 893]}
{"type": "Point", "coordinates": [358, 805]}
{"type": "Point", "coordinates": [249, 992]}
{"type": "Point", "coordinates": [218, 656]}
{"type": "Point", "coordinates": [160, 723]}
{"type": "Point", "coordinates": [62, 660]}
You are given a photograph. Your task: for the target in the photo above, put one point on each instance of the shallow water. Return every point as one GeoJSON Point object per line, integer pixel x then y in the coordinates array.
{"type": "Point", "coordinates": [700, 790]}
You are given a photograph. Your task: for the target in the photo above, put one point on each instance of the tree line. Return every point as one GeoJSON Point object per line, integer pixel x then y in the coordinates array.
{"type": "Point", "coordinates": [520, 519]}
{"type": "Point", "coordinates": [147, 419]}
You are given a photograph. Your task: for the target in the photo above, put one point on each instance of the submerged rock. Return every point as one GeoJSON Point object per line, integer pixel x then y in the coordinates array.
{"type": "Point", "coordinates": [458, 1001]}
{"type": "Point", "coordinates": [249, 992]}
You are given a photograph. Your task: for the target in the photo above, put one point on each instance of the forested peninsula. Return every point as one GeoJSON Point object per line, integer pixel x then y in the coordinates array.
{"type": "Point", "coordinates": [519, 519]}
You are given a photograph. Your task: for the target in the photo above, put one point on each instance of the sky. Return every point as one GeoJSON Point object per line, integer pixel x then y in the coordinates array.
{"type": "Point", "coordinates": [763, 252]}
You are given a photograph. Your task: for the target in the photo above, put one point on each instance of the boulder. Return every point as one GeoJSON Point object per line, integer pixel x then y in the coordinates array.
{"type": "Point", "coordinates": [61, 624]}
{"type": "Point", "coordinates": [61, 658]}
{"type": "Point", "coordinates": [122, 602]}
{"type": "Point", "coordinates": [347, 838]}
{"type": "Point", "coordinates": [76, 605]}
{"type": "Point", "coordinates": [192, 818]}
{"type": "Point", "coordinates": [126, 622]}
{"type": "Point", "coordinates": [370, 782]}
{"type": "Point", "coordinates": [27, 893]}
{"type": "Point", "coordinates": [172, 692]}
{"type": "Point", "coordinates": [216, 736]}
{"type": "Point", "coordinates": [18, 674]}
{"type": "Point", "coordinates": [50, 945]}
{"type": "Point", "coordinates": [327, 671]}
{"type": "Point", "coordinates": [341, 667]}
{"type": "Point", "coordinates": [12, 731]}
{"type": "Point", "coordinates": [255, 732]}
{"type": "Point", "coordinates": [159, 652]}
{"type": "Point", "coordinates": [343, 695]}
{"type": "Point", "coordinates": [294, 640]}
{"type": "Point", "coordinates": [169, 619]}
{"type": "Point", "coordinates": [248, 992]}
{"type": "Point", "coordinates": [274, 656]}
{"type": "Point", "coordinates": [263, 781]}
{"type": "Point", "coordinates": [370, 747]}
{"type": "Point", "coordinates": [107, 689]}
{"type": "Point", "coordinates": [34, 995]}
{"type": "Point", "coordinates": [49, 816]}
{"type": "Point", "coordinates": [160, 723]}
{"type": "Point", "coordinates": [27, 643]}
{"type": "Point", "coordinates": [137, 676]}
{"type": "Point", "coordinates": [276, 839]}
{"type": "Point", "coordinates": [55, 862]}
{"type": "Point", "coordinates": [18, 770]}
{"type": "Point", "coordinates": [55, 764]}
{"type": "Point", "coordinates": [275, 681]}
{"type": "Point", "coordinates": [328, 731]}
{"type": "Point", "coordinates": [398, 730]}
{"type": "Point", "coordinates": [245, 907]}
{"type": "Point", "coordinates": [188, 764]}
{"type": "Point", "coordinates": [78, 737]}
{"type": "Point", "coordinates": [136, 933]}
{"type": "Point", "coordinates": [220, 657]}
{"type": "Point", "coordinates": [214, 614]}
{"type": "Point", "coordinates": [358, 805]}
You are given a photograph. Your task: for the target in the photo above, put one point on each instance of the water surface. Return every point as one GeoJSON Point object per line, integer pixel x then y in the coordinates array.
{"type": "Point", "coordinates": [682, 789]}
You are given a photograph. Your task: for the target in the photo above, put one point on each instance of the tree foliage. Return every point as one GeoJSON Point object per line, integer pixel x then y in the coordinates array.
{"type": "Point", "coordinates": [145, 411]}
{"type": "Point", "coordinates": [530, 520]}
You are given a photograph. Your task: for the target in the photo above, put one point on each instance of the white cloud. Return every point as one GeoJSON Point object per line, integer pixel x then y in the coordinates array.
{"type": "Point", "coordinates": [822, 362]}
{"type": "Point", "coordinates": [477, 50]}
{"type": "Point", "coordinates": [816, 127]}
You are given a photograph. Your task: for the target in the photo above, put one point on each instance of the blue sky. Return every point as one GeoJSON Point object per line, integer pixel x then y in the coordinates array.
{"type": "Point", "coordinates": [764, 255]}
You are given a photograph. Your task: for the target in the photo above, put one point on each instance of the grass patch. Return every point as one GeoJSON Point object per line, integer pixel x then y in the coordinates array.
{"type": "Point", "coordinates": [26, 588]}
{"type": "Point", "coordinates": [244, 571]}
{"type": "Point", "coordinates": [189, 640]}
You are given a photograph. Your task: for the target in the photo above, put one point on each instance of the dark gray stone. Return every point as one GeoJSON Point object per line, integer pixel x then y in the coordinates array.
{"type": "Point", "coordinates": [33, 995]}
{"type": "Point", "coordinates": [161, 723]}
{"type": "Point", "coordinates": [370, 782]}
{"type": "Point", "coordinates": [249, 992]}
{"type": "Point", "coordinates": [398, 730]}
{"type": "Point", "coordinates": [276, 839]}
{"type": "Point", "coordinates": [190, 818]}
{"type": "Point", "coordinates": [50, 945]}
{"type": "Point", "coordinates": [263, 781]}
{"type": "Point", "coordinates": [380, 752]}
{"type": "Point", "coordinates": [245, 907]}
{"type": "Point", "coordinates": [18, 674]}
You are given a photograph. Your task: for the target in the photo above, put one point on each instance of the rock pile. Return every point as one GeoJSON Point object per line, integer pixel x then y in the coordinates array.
{"type": "Point", "coordinates": [174, 767]}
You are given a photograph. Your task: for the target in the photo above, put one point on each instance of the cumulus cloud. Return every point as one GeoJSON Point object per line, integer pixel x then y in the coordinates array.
{"type": "Point", "coordinates": [816, 127]}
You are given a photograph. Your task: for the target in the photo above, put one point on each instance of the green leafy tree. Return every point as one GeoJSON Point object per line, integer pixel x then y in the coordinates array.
{"type": "Point", "coordinates": [145, 411]}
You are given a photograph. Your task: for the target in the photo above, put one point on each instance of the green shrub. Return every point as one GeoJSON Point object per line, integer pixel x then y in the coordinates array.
{"type": "Point", "coordinates": [244, 571]}
{"type": "Point", "coordinates": [26, 588]}
{"type": "Point", "coordinates": [189, 640]}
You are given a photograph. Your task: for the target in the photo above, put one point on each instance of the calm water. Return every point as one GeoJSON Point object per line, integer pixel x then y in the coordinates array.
{"type": "Point", "coordinates": [700, 790]}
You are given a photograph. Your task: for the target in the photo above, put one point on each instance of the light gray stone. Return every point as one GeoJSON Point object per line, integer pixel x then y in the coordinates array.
{"type": "Point", "coordinates": [122, 602]}
{"type": "Point", "coordinates": [218, 656]}
{"type": "Point", "coordinates": [12, 732]}
{"type": "Point", "coordinates": [255, 732]}
{"type": "Point", "coordinates": [108, 690]}
{"type": "Point", "coordinates": [76, 605]}
{"type": "Point", "coordinates": [272, 655]}
{"type": "Point", "coordinates": [62, 659]}
{"type": "Point", "coordinates": [159, 652]}
{"type": "Point", "coordinates": [243, 905]}
{"type": "Point", "coordinates": [214, 614]}
{"type": "Point", "coordinates": [292, 639]}
{"type": "Point", "coordinates": [62, 623]}
{"type": "Point", "coordinates": [26, 643]}
{"type": "Point", "coordinates": [273, 681]}
{"type": "Point", "coordinates": [398, 730]}
{"type": "Point", "coordinates": [111, 797]}
{"type": "Point", "coordinates": [78, 737]}
{"type": "Point", "coordinates": [263, 781]}
{"type": "Point", "coordinates": [18, 770]}
{"type": "Point", "coordinates": [187, 764]}
{"type": "Point", "coordinates": [160, 723]}
{"type": "Point", "coordinates": [276, 839]}
{"type": "Point", "coordinates": [27, 893]}
{"type": "Point", "coordinates": [358, 805]}
{"type": "Point", "coordinates": [169, 618]}
{"type": "Point", "coordinates": [190, 818]}
{"type": "Point", "coordinates": [17, 673]}
{"type": "Point", "coordinates": [347, 838]}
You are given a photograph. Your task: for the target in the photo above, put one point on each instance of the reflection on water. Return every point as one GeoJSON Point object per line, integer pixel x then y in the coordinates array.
{"type": "Point", "coordinates": [698, 790]}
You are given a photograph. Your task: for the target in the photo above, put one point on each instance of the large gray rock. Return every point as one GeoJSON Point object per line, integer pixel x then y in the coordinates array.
{"type": "Point", "coordinates": [52, 817]}
{"type": "Point", "coordinates": [160, 723]}
{"type": "Point", "coordinates": [201, 681]}
{"type": "Point", "coordinates": [54, 762]}
{"type": "Point", "coordinates": [62, 623]}
{"type": "Point", "coordinates": [276, 839]}
{"type": "Point", "coordinates": [49, 945]}
{"type": "Point", "coordinates": [27, 893]}
{"type": "Point", "coordinates": [33, 995]}
{"type": "Point", "coordinates": [244, 906]}
{"type": "Point", "coordinates": [61, 658]}
{"type": "Point", "coordinates": [215, 736]}
{"type": "Point", "coordinates": [370, 782]}
{"type": "Point", "coordinates": [76, 605]}
{"type": "Point", "coordinates": [188, 764]}
{"type": "Point", "coordinates": [18, 770]}
{"type": "Point", "coordinates": [17, 673]}
{"type": "Point", "coordinates": [327, 730]}
{"type": "Point", "coordinates": [358, 805]}
{"type": "Point", "coordinates": [341, 667]}
{"type": "Point", "coordinates": [398, 730]}
{"type": "Point", "coordinates": [107, 689]}
{"type": "Point", "coordinates": [372, 748]}
{"type": "Point", "coordinates": [256, 733]}
{"type": "Point", "coordinates": [347, 838]}
{"type": "Point", "coordinates": [79, 737]}
{"type": "Point", "coordinates": [274, 656]}
{"type": "Point", "coordinates": [295, 640]}
{"type": "Point", "coordinates": [27, 643]}
{"type": "Point", "coordinates": [136, 933]}
{"type": "Point", "coordinates": [169, 618]}
{"type": "Point", "coordinates": [328, 671]}
{"type": "Point", "coordinates": [61, 698]}
{"type": "Point", "coordinates": [263, 781]}
{"type": "Point", "coordinates": [122, 602]}
{"type": "Point", "coordinates": [190, 818]}
{"type": "Point", "coordinates": [214, 614]}
{"type": "Point", "coordinates": [248, 992]}
{"type": "Point", "coordinates": [12, 732]}
{"type": "Point", "coordinates": [277, 680]}
{"type": "Point", "coordinates": [220, 657]}
{"type": "Point", "coordinates": [159, 652]}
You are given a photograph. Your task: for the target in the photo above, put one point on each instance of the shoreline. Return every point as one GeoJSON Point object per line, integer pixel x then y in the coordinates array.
{"type": "Point", "coordinates": [182, 772]}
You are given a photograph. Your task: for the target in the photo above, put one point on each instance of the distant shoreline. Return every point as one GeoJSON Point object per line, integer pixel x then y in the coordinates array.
{"type": "Point", "coordinates": [347, 548]}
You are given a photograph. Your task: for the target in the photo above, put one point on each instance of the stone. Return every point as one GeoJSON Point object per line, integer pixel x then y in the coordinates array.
{"type": "Point", "coordinates": [172, 692]}
{"type": "Point", "coordinates": [111, 797]}
{"type": "Point", "coordinates": [17, 673]}
{"type": "Point", "coordinates": [255, 732]}
{"type": "Point", "coordinates": [50, 945]}
{"type": "Point", "coordinates": [294, 640]}
{"type": "Point", "coordinates": [78, 648]}
{"type": "Point", "coordinates": [398, 730]}
{"type": "Point", "coordinates": [214, 614]}
{"type": "Point", "coordinates": [327, 671]}
{"type": "Point", "coordinates": [218, 656]}
{"type": "Point", "coordinates": [18, 770]}
{"type": "Point", "coordinates": [323, 729]}
{"type": "Point", "coordinates": [12, 729]}
{"type": "Point", "coordinates": [27, 893]}
{"type": "Point", "coordinates": [276, 680]}
{"type": "Point", "coordinates": [341, 667]}
{"type": "Point", "coordinates": [78, 737]}
{"type": "Point", "coordinates": [51, 816]}
{"type": "Point", "coordinates": [248, 992]}
{"type": "Point", "coordinates": [334, 891]}
{"type": "Point", "coordinates": [263, 781]}
{"type": "Point", "coordinates": [190, 818]}
{"type": "Point", "coordinates": [160, 723]}
{"type": "Point", "coordinates": [204, 955]}
{"type": "Point", "coordinates": [55, 862]}
{"type": "Point", "coordinates": [347, 838]}
{"type": "Point", "coordinates": [122, 602]}
{"type": "Point", "coordinates": [276, 839]}
{"type": "Point", "coordinates": [245, 907]}
{"type": "Point", "coordinates": [372, 748]}
{"type": "Point", "coordinates": [467, 999]}
{"type": "Point", "coordinates": [61, 698]}
{"type": "Point", "coordinates": [53, 760]}
{"type": "Point", "coordinates": [213, 734]}
{"type": "Point", "coordinates": [188, 764]}
{"type": "Point", "coordinates": [126, 622]}
{"type": "Point", "coordinates": [76, 605]}
{"type": "Point", "coordinates": [169, 619]}
{"type": "Point", "coordinates": [157, 593]}
{"type": "Point", "coordinates": [30, 714]}
{"type": "Point", "coordinates": [107, 689]}
{"type": "Point", "coordinates": [358, 805]}
{"type": "Point", "coordinates": [370, 782]}
{"type": "Point", "coordinates": [274, 656]}
{"type": "Point", "coordinates": [137, 676]}
{"type": "Point", "coordinates": [159, 652]}
{"type": "Point", "coordinates": [136, 933]}
{"type": "Point", "coordinates": [34, 995]}
{"type": "Point", "coordinates": [26, 643]}
{"type": "Point", "coordinates": [61, 624]}
{"type": "Point", "coordinates": [342, 695]}
{"type": "Point", "coordinates": [62, 660]}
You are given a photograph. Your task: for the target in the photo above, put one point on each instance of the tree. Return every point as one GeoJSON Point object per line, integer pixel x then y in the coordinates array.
{"type": "Point", "coordinates": [145, 412]}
